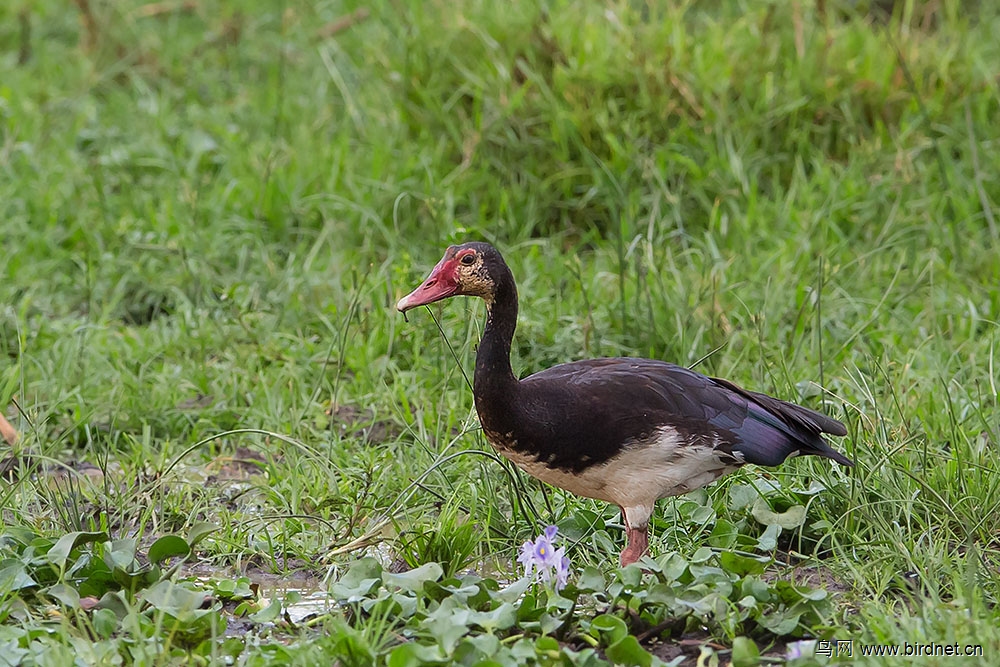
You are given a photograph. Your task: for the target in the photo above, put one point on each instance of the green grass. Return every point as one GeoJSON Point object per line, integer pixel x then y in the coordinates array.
{"type": "Point", "coordinates": [206, 215]}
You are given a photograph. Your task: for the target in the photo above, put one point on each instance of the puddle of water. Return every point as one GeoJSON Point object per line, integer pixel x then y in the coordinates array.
{"type": "Point", "coordinates": [314, 603]}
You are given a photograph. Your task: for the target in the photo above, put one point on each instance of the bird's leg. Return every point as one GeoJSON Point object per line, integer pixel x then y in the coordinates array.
{"type": "Point", "coordinates": [636, 541]}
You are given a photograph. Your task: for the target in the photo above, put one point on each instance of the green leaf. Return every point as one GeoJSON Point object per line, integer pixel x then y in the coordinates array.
{"type": "Point", "coordinates": [14, 576]}
{"type": "Point", "coordinates": [17, 535]}
{"type": "Point", "coordinates": [412, 654]}
{"type": "Point", "coordinates": [702, 554]}
{"type": "Point", "coordinates": [793, 517]}
{"type": "Point", "coordinates": [105, 622]}
{"type": "Point", "coordinates": [790, 593]}
{"type": "Point", "coordinates": [513, 592]}
{"type": "Point", "coordinates": [708, 574]}
{"type": "Point", "coordinates": [268, 614]}
{"type": "Point", "coordinates": [413, 580]}
{"type": "Point", "coordinates": [780, 622]}
{"type": "Point", "coordinates": [60, 551]}
{"type": "Point", "coordinates": [501, 618]}
{"type": "Point", "coordinates": [120, 554]}
{"type": "Point", "coordinates": [68, 596]}
{"type": "Point", "coordinates": [113, 602]}
{"type": "Point", "coordinates": [628, 651]}
{"type": "Point", "coordinates": [741, 495]}
{"type": "Point", "coordinates": [768, 541]}
{"type": "Point", "coordinates": [591, 580]}
{"type": "Point", "coordinates": [168, 546]}
{"type": "Point", "coordinates": [613, 626]}
{"type": "Point", "coordinates": [661, 593]}
{"type": "Point", "coordinates": [132, 581]}
{"type": "Point", "coordinates": [546, 644]}
{"type": "Point", "coordinates": [548, 623]}
{"type": "Point", "coordinates": [358, 582]}
{"type": "Point", "coordinates": [724, 534]}
{"type": "Point", "coordinates": [673, 566]}
{"type": "Point", "coordinates": [758, 589]}
{"type": "Point", "coordinates": [179, 601]}
{"type": "Point", "coordinates": [742, 565]}
{"type": "Point", "coordinates": [448, 623]}
{"type": "Point", "coordinates": [200, 531]}
{"type": "Point", "coordinates": [630, 575]}
{"type": "Point", "coordinates": [745, 652]}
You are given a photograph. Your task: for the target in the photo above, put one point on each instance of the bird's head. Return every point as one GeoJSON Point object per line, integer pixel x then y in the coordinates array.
{"type": "Point", "coordinates": [464, 270]}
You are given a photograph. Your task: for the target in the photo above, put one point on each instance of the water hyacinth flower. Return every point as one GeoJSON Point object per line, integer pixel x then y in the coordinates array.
{"type": "Point", "coordinates": [543, 557]}
{"type": "Point", "coordinates": [800, 649]}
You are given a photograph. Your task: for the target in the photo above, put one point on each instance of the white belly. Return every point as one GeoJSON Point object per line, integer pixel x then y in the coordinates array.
{"type": "Point", "coordinates": [639, 476]}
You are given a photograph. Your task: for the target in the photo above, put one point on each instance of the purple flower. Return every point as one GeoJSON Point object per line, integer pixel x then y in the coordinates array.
{"type": "Point", "coordinates": [543, 557]}
{"type": "Point", "coordinates": [800, 649]}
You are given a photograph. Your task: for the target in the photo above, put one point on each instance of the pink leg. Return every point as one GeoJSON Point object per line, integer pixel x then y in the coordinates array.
{"type": "Point", "coordinates": [636, 542]}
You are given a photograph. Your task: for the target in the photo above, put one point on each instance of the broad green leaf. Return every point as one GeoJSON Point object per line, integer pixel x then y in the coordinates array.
{"type": "Point", "coordinates": [702, 554]}
{"type": "Point", "coordinates": [708, 574]}
{"type": "Point", "coordinates": [628, 651]}
{"type": "Point", "coordinates": [815, 486]}
{"type": "Point", "coordinates": [133, 581]}
{"type": "Point", "coordinates": [742, 565]}
{"type": "Point", "coordinates": [61, 549]}
{"type": "Point", "coordinates": [200, 531]}
{"type": "Point", "coordinates": [513, 592]}
{"type": "Point", "coordinates": [113, 602]}
{"type": "Point", "coordinates": [268, 614]}
{"type": "Point", "coordinates": [548, 622]}
{"type": "Point", "coordinates": [781, 622]}
{"type": "Point", "coordinates": [790, 593]}
{"type": "Point", "coordinates": [105, 622]}
{"type": "Point", "coordinates": [448, 623]}
{"type": "Point", "coordinates": [358, 581]}
{"type": "Point", "coordinates": [11, 653]}
{"type": "Point", "coordinates": [524, 651]}
{"type": "Point", "coordinates": [768, 540]}
{"type": "Point", "coordinates": [724, 534]}
{"type": "Point", "coordinates": [413, 580]}
{"type": "Point", "coordinates": [17, 535]}
{"type": "Point", "coordinates": [120, 554]}
{"type": "Point", "coordinates": [745, 652]}
{"type": "Point", "coordinates": [613, 626]}
{"type": "Point", "coordinates": [501, 618]}
{"type": "Point", "coordinates": [661, 593]}
{"type": "Point", "coordinates": [741, 495]}
{"type": "Point", "coordinates": [67, 595]}
{"type": "Point", "coordinates": [793, 517]}
{"type": "Point", "coordinates": [546, 644]}
{"type": "Point", "coordinates": [673, 566]}
{"type": "Point", "coordinates": [168, 546]}
{"type": "Point", "coordinates": [591, 580]}
{"type": "Point", "coordinates": [487, 644]}
{"type": "Point", "coordinates": [14, 576]}
{"type": "Point", "coordinates": [630, 575]}
{"type": "Point", "coordinates": [412, 654]}
{"type": "Point", "coordinates": [179, 601]}
{"type": "Point", "coordinates": [238, 589]}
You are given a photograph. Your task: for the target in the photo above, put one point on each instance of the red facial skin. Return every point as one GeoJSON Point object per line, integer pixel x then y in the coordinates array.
{"type": "Point", "coordinates": [442, 283]}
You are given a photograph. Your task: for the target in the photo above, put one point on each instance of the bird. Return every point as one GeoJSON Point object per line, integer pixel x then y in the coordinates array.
{"type": "Point", "coordinates": [624, 430]}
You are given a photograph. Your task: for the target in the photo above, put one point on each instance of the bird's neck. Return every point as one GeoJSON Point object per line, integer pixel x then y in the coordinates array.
{"type": "Point", "coordinates": [494, 382]}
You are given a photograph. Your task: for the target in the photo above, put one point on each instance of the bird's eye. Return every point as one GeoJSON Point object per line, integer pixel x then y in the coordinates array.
{"type": "Point", "coordinates": [468, 259]}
